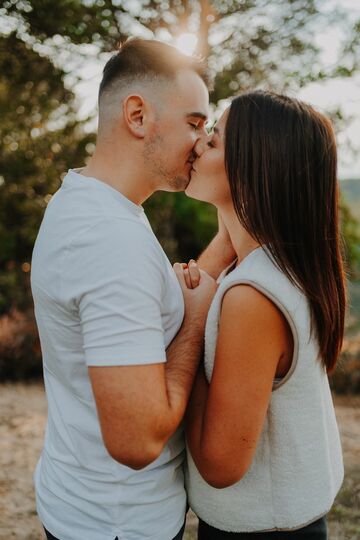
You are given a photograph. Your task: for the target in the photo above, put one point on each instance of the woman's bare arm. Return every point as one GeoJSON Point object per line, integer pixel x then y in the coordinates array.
{"type": "Point", "coordinates": [225, 418]}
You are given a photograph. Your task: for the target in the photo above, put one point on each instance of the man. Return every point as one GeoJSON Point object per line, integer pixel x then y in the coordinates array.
{"type": "Point", "coordinates": [119, 359]}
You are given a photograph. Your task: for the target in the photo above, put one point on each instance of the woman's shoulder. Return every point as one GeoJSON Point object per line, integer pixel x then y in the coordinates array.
{"type": "Point", "coordinates": [257, 285]}
{"type": "Point", "coordinates": [260, 270]}
{"type": "Point", "coordinates": [254, 309]}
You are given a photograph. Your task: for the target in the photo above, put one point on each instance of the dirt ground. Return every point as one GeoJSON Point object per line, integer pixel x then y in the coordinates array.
{"type": "Point", "coordinates": [22, 421]}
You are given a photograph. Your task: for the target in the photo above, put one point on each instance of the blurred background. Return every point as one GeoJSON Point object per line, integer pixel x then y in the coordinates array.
{"type": "Point", "coordinates": [51, 59]}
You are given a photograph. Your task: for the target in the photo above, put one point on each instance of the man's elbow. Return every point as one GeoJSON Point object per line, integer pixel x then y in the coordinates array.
{"type": "Point", "coordinates": [136, 459]}
{"type": "Point", "coordinates": [221, 480]}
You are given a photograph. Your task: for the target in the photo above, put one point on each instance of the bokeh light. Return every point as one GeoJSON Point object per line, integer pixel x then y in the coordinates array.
{"type": "Point", "coordinates": [186, 43]}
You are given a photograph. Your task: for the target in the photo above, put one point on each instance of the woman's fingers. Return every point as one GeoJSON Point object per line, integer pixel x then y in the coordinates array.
{"type": "Point", "coordinates": [194, 273]}
{"type": "Point", "coordinates": [182, 273]}
{"type": "Point", "coordinates": [179, 271]}
{"type": "Point", "coordinates": [188, 274]}
{"type": "Point", "coordinates": [187, 278]}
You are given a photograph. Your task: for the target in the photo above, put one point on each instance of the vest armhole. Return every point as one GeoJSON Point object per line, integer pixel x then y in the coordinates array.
{"type": "Point", "coordinates": [287, 315]}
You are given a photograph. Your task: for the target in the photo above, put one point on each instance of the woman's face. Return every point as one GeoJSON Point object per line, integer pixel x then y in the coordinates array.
{"type": "Point", "coordinates": [209, 181]}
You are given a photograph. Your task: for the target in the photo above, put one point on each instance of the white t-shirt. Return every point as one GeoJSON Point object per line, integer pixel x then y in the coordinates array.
{"type": "Point", "coordinates": [105, 294]}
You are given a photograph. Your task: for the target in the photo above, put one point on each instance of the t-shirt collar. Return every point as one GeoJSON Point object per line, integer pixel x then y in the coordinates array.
{"type": "Point", "coordinates": [100, 184]}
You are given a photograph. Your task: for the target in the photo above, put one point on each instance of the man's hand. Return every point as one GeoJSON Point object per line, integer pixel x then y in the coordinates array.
{"type": "Point", "coordinates": [135, 421]}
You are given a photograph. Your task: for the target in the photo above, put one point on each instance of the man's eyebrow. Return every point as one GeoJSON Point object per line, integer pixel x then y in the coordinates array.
{"type": "Point", "coordinates": [197, 114]}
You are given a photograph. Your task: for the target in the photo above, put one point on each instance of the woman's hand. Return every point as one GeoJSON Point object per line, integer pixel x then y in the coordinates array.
{"type": "Point", "coordinates": [198, 289]}
{"type": "Point", "coordinates": [192, 274]}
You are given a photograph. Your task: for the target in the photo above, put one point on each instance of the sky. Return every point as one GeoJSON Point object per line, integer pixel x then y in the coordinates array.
{"type": "Point", "coordinates": [344, 92]}
{"type": "Point", "coordinates": [323, 95]}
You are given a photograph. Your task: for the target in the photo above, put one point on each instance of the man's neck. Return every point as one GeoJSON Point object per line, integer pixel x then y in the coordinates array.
{"type": "Point", "coordinates": [121, 173]}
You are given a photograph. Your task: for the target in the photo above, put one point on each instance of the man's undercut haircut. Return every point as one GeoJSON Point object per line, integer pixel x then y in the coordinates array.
{"type": "Point", "coordinates": [146, 60]}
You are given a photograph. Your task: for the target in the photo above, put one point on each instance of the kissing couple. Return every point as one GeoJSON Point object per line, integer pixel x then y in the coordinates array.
{"type": "Point", "coordinates": [204, 384]}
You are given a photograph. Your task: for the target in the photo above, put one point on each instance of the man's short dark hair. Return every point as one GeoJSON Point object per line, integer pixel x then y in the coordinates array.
{"type": "Point", "coordinates": [139, 59]}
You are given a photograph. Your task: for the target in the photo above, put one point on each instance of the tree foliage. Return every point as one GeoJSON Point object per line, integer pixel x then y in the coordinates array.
{"type": "Point", "coordinates": [351, 236]}
{"type": "Point", "coordinates": [34, 153]}
{"type": "Point", "coordinates": [44, 45]}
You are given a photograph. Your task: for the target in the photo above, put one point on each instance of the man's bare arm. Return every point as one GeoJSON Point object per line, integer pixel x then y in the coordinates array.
{"type": "Point", "coordinates": [140, 407]}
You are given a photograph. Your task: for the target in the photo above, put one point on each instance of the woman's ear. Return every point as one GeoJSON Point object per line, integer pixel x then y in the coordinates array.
{"type": "Point", "coordinates": [134, 115]}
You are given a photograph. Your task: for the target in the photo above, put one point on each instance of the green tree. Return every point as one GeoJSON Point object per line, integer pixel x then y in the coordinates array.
{"type": "Point", "coordinates": [247, 43]}
{"type": "Point", "coordinates": [40, 138]}
{"type": "Point", "coordinates": [44, 44]}
{"type": "Point", "coordinates": [351, 235]}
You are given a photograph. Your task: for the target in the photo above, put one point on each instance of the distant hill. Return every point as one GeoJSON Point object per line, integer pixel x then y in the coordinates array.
{"type": "Point", "coordinates": [351, 192]}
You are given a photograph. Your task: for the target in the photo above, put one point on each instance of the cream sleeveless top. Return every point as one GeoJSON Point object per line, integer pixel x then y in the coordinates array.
{"type": "Point", "coordinates": [297, 469]}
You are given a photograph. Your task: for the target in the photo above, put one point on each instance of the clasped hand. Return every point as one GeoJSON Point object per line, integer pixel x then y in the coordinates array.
{"type": "Point", "coordinates": [198, 289]}
{"type": "Point", "coordinates": [191, 273]}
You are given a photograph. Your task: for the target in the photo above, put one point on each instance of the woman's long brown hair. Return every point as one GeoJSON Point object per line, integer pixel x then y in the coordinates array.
{"type": "Point", "coordinates": [280, 157]}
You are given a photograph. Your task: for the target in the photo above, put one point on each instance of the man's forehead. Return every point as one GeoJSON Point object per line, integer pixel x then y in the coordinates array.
{"type": "Point", "coordinates": [196, 107]}
{"type": "Point", "coordinates": [192, 93]}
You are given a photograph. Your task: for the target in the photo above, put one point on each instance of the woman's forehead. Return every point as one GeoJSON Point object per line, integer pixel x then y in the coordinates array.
{"type": "Point", "coordinates": [221, 123]}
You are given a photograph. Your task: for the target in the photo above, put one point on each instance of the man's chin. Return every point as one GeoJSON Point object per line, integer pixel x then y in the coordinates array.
{"type": "Point", "coordinates": [180, 183]}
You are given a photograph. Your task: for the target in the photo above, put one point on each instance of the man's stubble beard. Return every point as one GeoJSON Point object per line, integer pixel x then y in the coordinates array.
{"type": "Point", "coordinates": [178, 183]}
{"type": "Point", "coordinates": [165, 178]}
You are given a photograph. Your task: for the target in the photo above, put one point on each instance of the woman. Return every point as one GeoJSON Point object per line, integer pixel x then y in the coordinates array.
{"type": "Point", "coordinates": [264, 450]}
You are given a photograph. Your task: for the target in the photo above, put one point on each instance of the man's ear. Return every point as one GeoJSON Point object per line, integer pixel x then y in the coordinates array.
{"type": "Point", "coordinates": [134, 109]}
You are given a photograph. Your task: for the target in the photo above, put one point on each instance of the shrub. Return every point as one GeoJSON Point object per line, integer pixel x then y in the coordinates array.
{"type": "Point", "coordinates": [20, 354]}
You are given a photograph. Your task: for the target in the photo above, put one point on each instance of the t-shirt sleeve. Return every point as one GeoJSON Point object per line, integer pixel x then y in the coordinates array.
{"type": "Point", "coordinates": [118, 286]}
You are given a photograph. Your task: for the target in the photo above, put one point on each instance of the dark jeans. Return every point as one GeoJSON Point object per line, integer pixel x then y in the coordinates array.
{"type": "Point", "coordinates": [314, 531]}
{"type": "Point", "coordinates": [179, 535]}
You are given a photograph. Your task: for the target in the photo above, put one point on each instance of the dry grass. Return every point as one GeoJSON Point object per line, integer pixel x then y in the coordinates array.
{"type": "Point", "coordinates": [22, 420]}
{"type": "Point", "coordinates": [344, 518]}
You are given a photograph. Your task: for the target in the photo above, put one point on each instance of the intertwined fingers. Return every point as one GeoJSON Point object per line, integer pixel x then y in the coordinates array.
{"type": "Point", "coordinates": [188, 274]}
{"type": "Point", "coordinates": [194, 273]}
{"type": "Point", "coordinates": [179, 271]}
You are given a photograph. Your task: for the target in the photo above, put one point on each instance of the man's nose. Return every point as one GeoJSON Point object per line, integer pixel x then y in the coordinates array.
{"type": "Point", "coordinates": [201, 145]}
